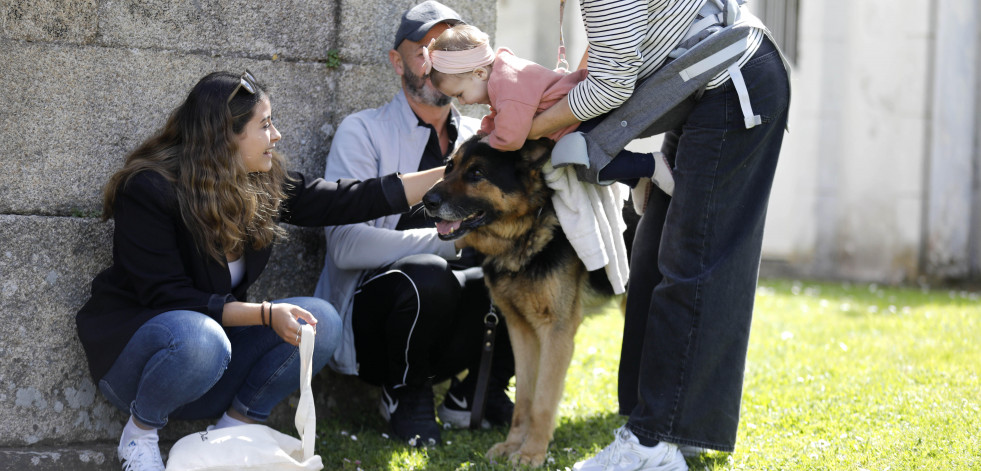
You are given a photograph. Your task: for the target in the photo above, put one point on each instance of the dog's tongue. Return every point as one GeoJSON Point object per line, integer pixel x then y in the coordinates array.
{"type": "Point", "coordinates": [447, 227]}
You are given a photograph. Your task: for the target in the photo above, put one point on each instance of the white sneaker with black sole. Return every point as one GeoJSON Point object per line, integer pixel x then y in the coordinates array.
{"type": "Point", "coordinates": [627, 454]}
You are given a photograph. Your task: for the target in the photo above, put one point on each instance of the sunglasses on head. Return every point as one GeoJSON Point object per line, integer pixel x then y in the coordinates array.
{"type": "Point", "coordinates": [246, 81]}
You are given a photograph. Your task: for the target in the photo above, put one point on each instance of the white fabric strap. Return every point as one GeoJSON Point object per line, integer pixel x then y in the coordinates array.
{"type": "Point", "coordinates": [714, 60]}
{"type": "Point", "coordinates": [306, 416]}
{"type": "Point", "coordinates": [749, 118]}
{"type": "Point", "coordinates": [732, 12]}
{"type": "Point", "coordinates": [702, 24]}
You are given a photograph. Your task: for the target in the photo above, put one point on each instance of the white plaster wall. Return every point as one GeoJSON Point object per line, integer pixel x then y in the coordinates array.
{"type": "Point", "coordinates": [848, 195]}
{"type": "Point", "coordinates": [531, 30]}
{"type": "Point", "coordinates": [950, 202]}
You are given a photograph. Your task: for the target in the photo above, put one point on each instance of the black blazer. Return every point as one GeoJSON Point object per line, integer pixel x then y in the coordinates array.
{"type": "Point", "coordinates": [157, 267]}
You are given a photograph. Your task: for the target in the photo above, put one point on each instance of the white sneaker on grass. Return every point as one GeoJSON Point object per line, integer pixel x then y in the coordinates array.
{"type": "Point", "coordinates": [141, 454]}
{"type": "Point", "coordinates": [627, 454]}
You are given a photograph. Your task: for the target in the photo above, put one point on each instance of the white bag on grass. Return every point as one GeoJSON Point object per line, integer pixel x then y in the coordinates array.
{"type": "Point", "coordinates": [255, 446]}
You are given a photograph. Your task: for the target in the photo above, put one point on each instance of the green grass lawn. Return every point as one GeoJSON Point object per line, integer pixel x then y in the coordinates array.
{"type": "Point", "coordinates": [839, 377]}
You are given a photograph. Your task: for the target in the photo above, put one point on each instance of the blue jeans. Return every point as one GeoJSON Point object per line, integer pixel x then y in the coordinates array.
{"type": "Point", "coordinates": [695, 263]}
{"type": "Point", "coordinates": [181, 365]}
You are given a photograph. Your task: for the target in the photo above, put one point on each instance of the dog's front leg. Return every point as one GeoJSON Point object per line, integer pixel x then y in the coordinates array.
{"type": "Point", "coordinates": [556, 342]}
{"type": "Point", "coordinates": [524, 345]}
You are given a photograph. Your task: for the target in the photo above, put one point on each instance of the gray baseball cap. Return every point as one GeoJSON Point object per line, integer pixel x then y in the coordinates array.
{"type": "Point", "coordinates": [418, 20]}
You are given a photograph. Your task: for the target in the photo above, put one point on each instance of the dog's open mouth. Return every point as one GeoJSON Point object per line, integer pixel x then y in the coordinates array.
{"type": "Point", "coordinates": [449, 230]}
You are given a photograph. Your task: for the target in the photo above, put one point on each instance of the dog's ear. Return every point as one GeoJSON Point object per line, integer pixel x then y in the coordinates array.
{"type": "Point", "coordinates": [535, 153]}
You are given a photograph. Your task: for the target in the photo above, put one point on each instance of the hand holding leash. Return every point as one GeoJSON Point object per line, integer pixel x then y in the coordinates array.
{"type": "Point", "coordinates": [284, 320]}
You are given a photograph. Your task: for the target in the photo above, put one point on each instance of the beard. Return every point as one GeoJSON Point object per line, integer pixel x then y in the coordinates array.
{"type": "Point", "coordinates": [417, 87]}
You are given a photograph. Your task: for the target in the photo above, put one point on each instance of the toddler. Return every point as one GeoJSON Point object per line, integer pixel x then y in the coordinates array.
{"type": "Point", "coordinates": [462, 65]}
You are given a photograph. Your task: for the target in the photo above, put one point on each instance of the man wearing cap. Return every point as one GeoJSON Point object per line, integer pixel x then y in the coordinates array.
{"type": "Point", "coordinates": [413, 305]}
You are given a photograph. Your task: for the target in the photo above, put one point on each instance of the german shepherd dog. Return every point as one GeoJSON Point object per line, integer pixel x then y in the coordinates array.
{"type": "Point", "coordinates": [499, 204]}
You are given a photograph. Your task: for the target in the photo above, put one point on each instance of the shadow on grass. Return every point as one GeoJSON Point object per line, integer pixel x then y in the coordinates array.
{"type": "Point", "coordinates": [708, 462]}
{"type": "Point", "coordinates": [351, 436]}
{"type": "Point", "coordinates": [576, 438]}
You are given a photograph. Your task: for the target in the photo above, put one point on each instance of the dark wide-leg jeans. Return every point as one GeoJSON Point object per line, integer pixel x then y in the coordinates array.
{"type": "Point", "coordinates": [695, 264]}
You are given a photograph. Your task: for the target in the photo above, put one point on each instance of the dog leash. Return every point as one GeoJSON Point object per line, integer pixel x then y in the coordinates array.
{"type": "Point", "coordinates": [483, 374]}
{"type": "Point", "coordinates": [562, 64]}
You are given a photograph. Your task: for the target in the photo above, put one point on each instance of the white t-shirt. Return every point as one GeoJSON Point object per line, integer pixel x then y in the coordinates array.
{"type": "Point", "coordinates": [237, 270]}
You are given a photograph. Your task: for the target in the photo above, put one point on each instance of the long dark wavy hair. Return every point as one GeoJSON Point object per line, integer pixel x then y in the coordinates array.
{"type": "Point", "coordinates": [226, 207]}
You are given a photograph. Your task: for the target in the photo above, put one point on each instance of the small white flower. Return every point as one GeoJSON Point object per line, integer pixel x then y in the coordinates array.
{"type": "Point", "coordinates": [820, 444]}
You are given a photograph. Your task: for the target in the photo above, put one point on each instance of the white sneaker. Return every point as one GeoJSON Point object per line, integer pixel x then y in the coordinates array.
{"type": "Point", "coordinates": [663, 175]}
{"type": "Point", "coordinates": [141, 454]}
{"type": "Point", "coordinates": [627, 454]}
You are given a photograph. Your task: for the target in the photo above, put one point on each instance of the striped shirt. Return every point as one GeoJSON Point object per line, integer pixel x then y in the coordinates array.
{"type": "Point", "coordinates": [628, 41]}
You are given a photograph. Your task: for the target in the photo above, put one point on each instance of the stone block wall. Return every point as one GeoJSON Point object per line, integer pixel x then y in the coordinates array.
{"type": "Point", "coordinates": [83, 83]}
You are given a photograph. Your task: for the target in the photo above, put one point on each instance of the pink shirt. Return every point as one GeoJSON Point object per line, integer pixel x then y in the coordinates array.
{"type": "Point", "coordinates": [518, 90]}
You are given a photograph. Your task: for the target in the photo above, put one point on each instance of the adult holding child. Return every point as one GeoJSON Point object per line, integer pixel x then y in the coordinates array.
{"type": "Point", "coordinates": [413, 305]}
{"type": "Point", "coordinates": [196, 210]}
{"type": "Point", "coordinates": [461, 63]}
{"type": "Point", "coordinates": [705, 73]}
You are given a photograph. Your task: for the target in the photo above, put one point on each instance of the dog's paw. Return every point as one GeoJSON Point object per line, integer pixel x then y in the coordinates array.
{"type": "Point", "coordinates": [502, 449]}
{"type": "Point", "coordinates": [529, 458]}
